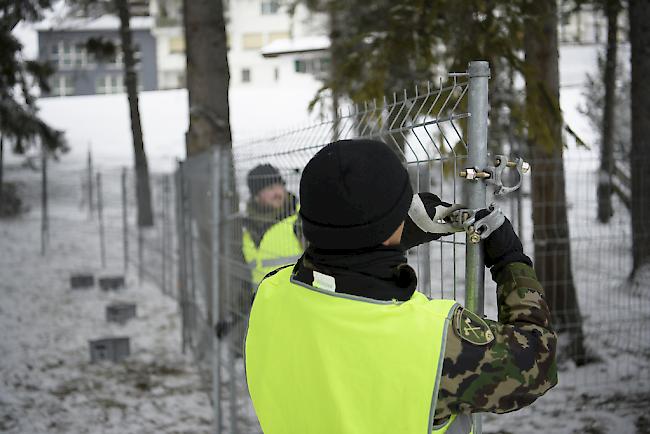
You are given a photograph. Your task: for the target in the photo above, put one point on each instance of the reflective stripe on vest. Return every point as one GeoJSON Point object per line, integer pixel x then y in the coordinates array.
{"type": "Point", "coordinates": [278, 246]}
{"type": "Point", "coordinates": [320, 362]}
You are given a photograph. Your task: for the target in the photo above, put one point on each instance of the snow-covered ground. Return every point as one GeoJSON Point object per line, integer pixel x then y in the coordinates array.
{"type": "Point", "coordinates": [47, 383]}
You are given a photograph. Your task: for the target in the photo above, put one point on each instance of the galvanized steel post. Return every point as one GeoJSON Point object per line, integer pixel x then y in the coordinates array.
{"type": "Point", "coordinates": [479, 74]}
{"type": "Point", "coordinates": [100, 215]}
{"type": "Point", "coordinates": [216, 196]}
{"type": "Point", "coordinates": [182, 255]}
{"type": "Point", "coordinates": [125, 223]}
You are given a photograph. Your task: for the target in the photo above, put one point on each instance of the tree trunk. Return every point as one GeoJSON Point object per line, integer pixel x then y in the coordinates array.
{"type": "Point", "coordinates": [604, 192]}
{"type": "Point", "coordinates": [640, 158]}
{"type": "Point", "coordinates": [208, 76]}
{"type": "Point", "coordinates": [208, 80]}
{"type": "Point", "coordinates": [143, 189]}
{"type": "Point", "coordinates": [551, 229]}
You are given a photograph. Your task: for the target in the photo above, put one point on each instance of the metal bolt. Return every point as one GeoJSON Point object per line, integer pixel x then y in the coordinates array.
{"type": "Point", "coordinates": [468, 173]}
{"type": "Point", "coordinates": [475, 238]}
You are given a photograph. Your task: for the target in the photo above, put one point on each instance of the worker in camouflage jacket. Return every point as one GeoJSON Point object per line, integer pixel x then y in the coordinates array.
{"type": "Point", "coordinates": [342, 341]}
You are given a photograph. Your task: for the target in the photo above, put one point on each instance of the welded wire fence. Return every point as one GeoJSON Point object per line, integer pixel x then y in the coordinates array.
{"type": "Point", "coordinates": [207, 222]}
{"type": "Point", "coordinates": [602, 316]}
{"type": "Point", "coordinates": [106, 198]}
{"type": "Point", "coordinates": [226, 219]}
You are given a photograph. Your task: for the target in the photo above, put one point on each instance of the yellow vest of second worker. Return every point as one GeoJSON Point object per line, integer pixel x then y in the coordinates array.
{"type": "Point", "coordinates": [319, 362]}
{"type": "Point", "coordinates": [279, 246]}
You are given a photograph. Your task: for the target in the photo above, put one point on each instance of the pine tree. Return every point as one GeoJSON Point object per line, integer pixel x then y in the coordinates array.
{"type": "Point", "coordinates": [20, 126]}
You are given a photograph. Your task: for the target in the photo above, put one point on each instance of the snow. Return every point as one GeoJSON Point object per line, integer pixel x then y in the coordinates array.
{"type": "Point", "coordinates": [47, 384]}
{"type": "Point", "coordinates": [302, 44]}
{"type": "Point", "coordinates": [101, 122]}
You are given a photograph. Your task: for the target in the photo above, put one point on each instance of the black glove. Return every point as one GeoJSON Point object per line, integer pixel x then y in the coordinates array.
{"type": "Point", "coordinates": [426, 220]}
{"type": "Point", "coordinates": [502, 246]}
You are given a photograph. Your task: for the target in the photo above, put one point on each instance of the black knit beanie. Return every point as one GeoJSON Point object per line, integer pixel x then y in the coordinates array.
{"type": "Point", "coordinates": [262, 176]}
{"type": "Point", "coordinates": [353, 194]}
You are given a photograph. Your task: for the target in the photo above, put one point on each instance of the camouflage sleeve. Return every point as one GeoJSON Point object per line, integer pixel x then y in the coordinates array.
{"type": "Point", "coordinates": [502, 366]}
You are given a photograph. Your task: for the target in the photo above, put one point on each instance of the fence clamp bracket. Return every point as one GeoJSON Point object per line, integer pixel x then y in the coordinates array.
{"type": "Point", "coordinates": [493, 174]}
{"type": "Point", "coordinates": [478, 230]}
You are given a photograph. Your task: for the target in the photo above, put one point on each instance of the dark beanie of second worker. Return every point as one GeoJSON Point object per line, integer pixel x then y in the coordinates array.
{"type": "Point", "coordinates": [354, 194]}
{"type": "Point", "coordinates": [261, 177]}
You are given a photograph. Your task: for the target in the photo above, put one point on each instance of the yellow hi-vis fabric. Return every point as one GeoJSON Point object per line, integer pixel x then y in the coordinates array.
{"type": "Point", "coordinates": [318, 362]}
{"type": "Point", "coordinates": [279, 246]}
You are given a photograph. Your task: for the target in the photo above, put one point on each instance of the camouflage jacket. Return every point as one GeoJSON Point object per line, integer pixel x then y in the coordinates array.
{"type": "Point", "coordinates": [500, 366]}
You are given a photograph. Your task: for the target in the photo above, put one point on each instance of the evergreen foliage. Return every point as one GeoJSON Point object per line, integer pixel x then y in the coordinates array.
{"type": "Point", "coordinates": [20, 80]}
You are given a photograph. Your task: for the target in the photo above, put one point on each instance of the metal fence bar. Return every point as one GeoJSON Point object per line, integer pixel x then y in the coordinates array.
{"type": "Point", "coordinates": [140, 252]}
{"type": "Point", "coordinates": [125, 222]}
{"type": "Point", "coordinates": [100, 217]}
{"type": "Point", "coordinates": [219, 169]}
{"type": "Point", "coordinates": [45, 218]}
{"type": "Point", "coordinates": [89, 175]}
{"type": "Point", "coordinates": [479, 74]}
{"type": "Point", "coordinates": [163, 236]}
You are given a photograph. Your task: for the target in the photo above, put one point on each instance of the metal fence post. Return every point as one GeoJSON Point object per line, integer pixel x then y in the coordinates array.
{"type": "Point", "coordinates": [228, 202]}
{"type": "Point", "coordinates": [479, 74]}
{"type": "Point", "coordinates": [140, 254]}
{"type": "Point", "coordinates": [45, 216]}
{"type": "Point", "coordinates": [182, 258]}
{"type": "Point", "coordinates": [163, 235]}
{"type": "Point", "coordinates": [100, 216]}
{"type": "Point", "coordinates": [89, 173]}
{"type": "Point", "coordinates": [125, 223]}
{"type": "Point", "coordinates": [217, 165]}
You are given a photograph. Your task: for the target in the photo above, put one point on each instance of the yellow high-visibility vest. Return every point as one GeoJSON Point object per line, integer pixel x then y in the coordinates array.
{"type": "Point", "coordinates": [320, 362]}
{"type": "Point", "coordinates": [279, 246]}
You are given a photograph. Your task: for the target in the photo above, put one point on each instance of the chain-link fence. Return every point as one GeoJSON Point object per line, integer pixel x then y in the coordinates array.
{"type": "Point", "coordinates": [225, 246]}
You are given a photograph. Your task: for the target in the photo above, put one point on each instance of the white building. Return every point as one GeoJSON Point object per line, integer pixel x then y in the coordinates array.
{"type": "Point", "coordinates": [266, 45]}
{"type": "Point", "coordinates": [170, 42]}
{"type": "Point", "coordinates": [259, 33]}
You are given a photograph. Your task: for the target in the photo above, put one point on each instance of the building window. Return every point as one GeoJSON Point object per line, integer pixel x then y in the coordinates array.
{"type": "Point", "coordinates": [317, 65]}
{"type": "Point", "coordinates": [270, 7]}
{"type": "Point", "coordinates": [66, 57]}
{"type": "Point", "coordinates": [300, 66]}
{"type": "Point", "coordinates": [252, 41]}
{"type": "Point", "coordinates": [62, 85]}
{"type": "Point", "coordinates": [110, 83]}
{"type": "Point", "coordinates": [246, 75]}
{"type": "Point", "coordinates": [274, 36]}
{"type": "Point", "coordinates": [177, 45]}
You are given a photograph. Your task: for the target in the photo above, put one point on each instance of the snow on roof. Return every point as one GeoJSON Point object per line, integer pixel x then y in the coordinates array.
{"type": "Point", "coordinates": [105, 22]}
{"type": "Point", "coordinates": [303, 44]}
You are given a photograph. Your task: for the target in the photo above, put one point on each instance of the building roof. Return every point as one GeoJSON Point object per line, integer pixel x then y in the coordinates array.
{"type": "Point", "coordinates": [305, 44]}
{"type": "Point", "coordinates": [104, 22]}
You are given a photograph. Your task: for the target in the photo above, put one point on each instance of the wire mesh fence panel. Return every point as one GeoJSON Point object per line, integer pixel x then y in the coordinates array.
{"type": "Point", "coordinates": [425, 126]}
{"type": "Point", "coordinates": [237, 220]}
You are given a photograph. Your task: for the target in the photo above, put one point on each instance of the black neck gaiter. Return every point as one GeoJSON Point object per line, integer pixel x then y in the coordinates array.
{"type": "Point", "coordinates": [379, 273]}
